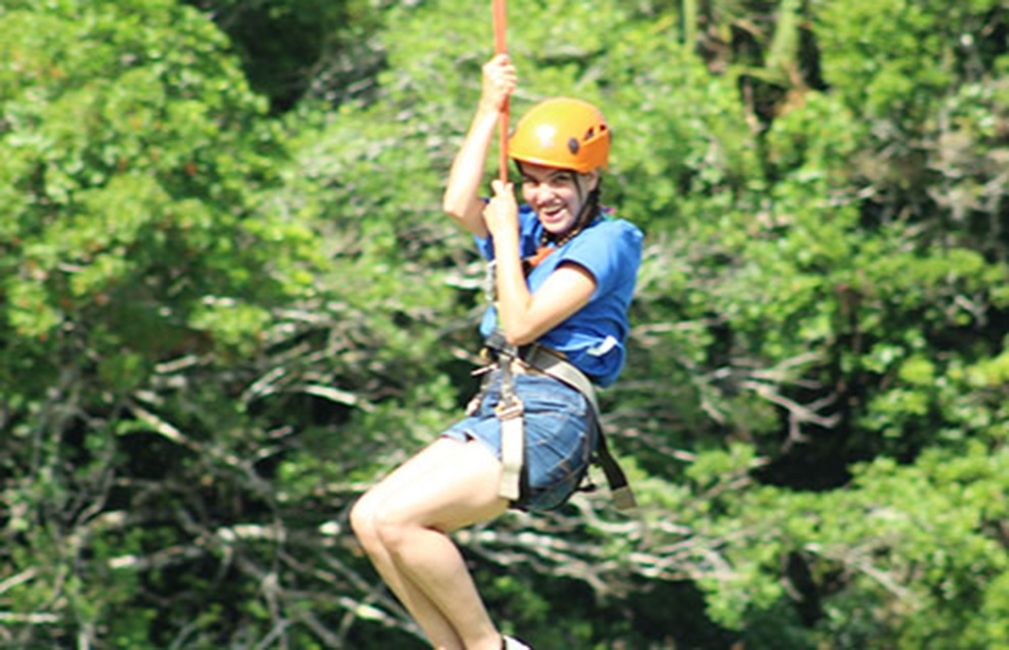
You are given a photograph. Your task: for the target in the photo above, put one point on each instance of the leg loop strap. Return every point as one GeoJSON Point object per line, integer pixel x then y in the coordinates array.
{"type": "Point", "coordinates": [512, 449]}
{"type": "Point", "coordinates": [509, 411]}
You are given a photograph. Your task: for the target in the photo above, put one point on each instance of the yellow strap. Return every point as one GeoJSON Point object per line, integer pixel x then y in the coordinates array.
{"type": "Point", "coordinates": [512, 442]}
{"type": "Point", "coordinates": [510, 412]}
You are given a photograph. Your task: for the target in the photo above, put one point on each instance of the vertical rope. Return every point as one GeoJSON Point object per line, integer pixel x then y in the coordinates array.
{"type": "Point", "coordinates": [500, 13]}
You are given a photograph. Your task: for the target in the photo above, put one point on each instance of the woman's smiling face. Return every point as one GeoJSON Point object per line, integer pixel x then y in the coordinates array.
{"type": "Point", "coordinates": [557, 195]}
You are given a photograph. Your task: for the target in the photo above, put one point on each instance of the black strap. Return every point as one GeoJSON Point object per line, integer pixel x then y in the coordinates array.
{"type": "Point", "coordinates": [620, 490]}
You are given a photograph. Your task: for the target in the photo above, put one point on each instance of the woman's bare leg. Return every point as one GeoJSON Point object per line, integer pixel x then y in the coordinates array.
{"type": "Point", "coordinates": [403, 521]}
{"type": "Point", "coordinates": [363, 517]}
{"type": "Point", "coordinates": [414, 524]}
{"type": "Point", "coordinates": [436, 627]}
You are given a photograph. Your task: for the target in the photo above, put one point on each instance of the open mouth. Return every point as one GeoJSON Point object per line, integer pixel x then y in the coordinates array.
{"type": "Point", "coordinates": [553, 214]}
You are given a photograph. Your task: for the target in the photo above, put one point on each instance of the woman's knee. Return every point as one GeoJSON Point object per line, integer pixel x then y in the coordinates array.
{"type": "Point", "coordinates": [392, 528]}
{"type": "Point", "coordinates": [377, 524]}
{"type": "Point", "coordinates": [363, 518]}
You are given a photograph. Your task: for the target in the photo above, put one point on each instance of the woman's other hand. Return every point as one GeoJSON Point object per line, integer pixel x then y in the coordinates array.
{"type": "Point", "coordinates": [501, 213]}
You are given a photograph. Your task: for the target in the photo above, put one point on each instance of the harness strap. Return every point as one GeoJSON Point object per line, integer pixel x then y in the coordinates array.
{"type": "Point", "coordinates": [509, 411]}
{"type": "Point", "coordinates": [512, 451]}
{"type": "Point", "coordinates": [620, 489]}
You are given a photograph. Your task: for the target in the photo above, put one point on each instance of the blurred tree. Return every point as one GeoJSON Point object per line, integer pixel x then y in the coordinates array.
{"type": "Point", "coordinates": [299, 49]}
{"type": "Point", "coordinates": [140, 279]}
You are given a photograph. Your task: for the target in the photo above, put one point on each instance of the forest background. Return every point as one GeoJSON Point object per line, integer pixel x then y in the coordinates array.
{"type": "Point", "coordinates": [229, 302]}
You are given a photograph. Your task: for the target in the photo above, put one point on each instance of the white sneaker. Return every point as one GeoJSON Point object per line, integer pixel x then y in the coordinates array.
{"type": "Point", "coordinates": [513, 644]}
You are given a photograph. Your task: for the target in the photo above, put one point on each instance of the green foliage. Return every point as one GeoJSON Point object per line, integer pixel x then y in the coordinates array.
{"type": "Point", "coordinates": [136, 248]}
{"type": "Point", "coordinates": [224, 314]}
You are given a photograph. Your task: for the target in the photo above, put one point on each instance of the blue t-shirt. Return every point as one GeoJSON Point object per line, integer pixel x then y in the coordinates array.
{"type": "Point", "coordinates": [593, 338]}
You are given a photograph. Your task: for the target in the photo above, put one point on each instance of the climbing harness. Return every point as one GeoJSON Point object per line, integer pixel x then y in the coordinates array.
{"type": "Point", "coordinates": [535, 358]}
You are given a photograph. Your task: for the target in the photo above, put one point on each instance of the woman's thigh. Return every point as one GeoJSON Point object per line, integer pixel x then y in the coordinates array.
{"type": "Point", "coordinates": [447, 485]}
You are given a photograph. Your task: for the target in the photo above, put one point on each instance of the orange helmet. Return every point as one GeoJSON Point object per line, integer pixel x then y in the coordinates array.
{"type": "Point", "coordinates": [562, 132]}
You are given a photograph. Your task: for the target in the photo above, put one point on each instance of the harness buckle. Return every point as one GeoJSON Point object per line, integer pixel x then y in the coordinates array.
{"type": "Point", "coordinates": [513, 409]}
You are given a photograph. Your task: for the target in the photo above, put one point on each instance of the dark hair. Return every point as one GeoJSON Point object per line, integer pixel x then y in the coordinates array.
{"type": "Point", "coordinates": [593, 206]}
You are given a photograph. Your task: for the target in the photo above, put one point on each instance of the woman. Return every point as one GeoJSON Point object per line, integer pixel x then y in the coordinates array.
{"type": "Point", "coordinates": [564, 280]}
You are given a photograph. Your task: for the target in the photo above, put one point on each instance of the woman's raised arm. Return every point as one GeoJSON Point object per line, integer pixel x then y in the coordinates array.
{"type": "Point", "coordinates": [462, 194]}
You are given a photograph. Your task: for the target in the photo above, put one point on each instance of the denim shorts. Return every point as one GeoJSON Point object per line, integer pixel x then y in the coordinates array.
{"type": "Point", "coordinates": [560, 436]}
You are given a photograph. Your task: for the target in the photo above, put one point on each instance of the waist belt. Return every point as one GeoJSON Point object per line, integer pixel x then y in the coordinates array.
{"type": "Point", "coordinates": [539, 358]}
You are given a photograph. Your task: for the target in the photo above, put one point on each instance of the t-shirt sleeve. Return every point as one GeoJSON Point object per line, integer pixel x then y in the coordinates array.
{"type": "Point", "coordinates": [611, 252]}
